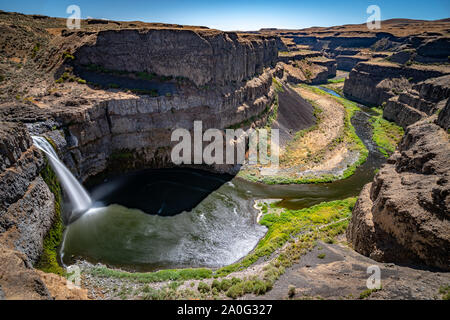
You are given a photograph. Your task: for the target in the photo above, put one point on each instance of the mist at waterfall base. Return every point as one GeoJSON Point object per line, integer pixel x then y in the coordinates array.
{"type": "Point", "coordinates": [155, 218]}
{"type": "Point", "coordinates": [220, 229]}
{"type": "Point", "coordinates": [165, 218]}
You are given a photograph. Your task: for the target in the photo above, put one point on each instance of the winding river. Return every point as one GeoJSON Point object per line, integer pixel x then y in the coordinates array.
{"type": "Point", "coordinates": [174, 218]}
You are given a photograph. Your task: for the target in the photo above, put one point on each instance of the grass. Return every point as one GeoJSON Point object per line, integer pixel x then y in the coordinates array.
{"type": "Point", "coordinates": [445, 292]}
{"type": "Point", "coordinates": [158, 276]}
{"type": "Point", "coordinates": [298, 229]}
{"type": "Point", "coordinates": [385, 134]}
{"type": "Point", "coordinates": [290, 223]}
{"type": "Point", "coordinates": [353, 142]}
{"type": "Point", "coordinates": [339, 80]}
{"type": "Point", "coordinates": [277, 85]}
{"type": "Point", "coordinates": [367, 293]}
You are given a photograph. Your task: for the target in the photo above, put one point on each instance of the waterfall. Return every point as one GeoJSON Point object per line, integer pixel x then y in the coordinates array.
{"type": "Point", "coordinates": [78, 197]}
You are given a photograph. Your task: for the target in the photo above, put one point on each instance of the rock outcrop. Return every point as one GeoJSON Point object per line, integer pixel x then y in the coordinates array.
{"type": "Point", "coordinates": [423, 100]}
{"type": "Point", "coordinates": [26, 203]}
{"type": "Point", "coordinates": [403, 215]}
{"type": "Point", "coordinates": [374, 82]}
{"type": "Point", "coordinates": [347, 63]}
{"type": "Point", "coordinates": [27, 212]}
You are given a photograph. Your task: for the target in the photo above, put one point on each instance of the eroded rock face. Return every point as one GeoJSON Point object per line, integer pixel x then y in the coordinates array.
{"type": "Point", "coordinates": [27, 211]}
{"type": "Point", "coordinates": [444, 116]}
{"type": "Point", "coordinates": [423, 100]}
{"type": "Point", "coordinates": [207, 56]}
{"type": "Point", "coordinates": [136, 131]}
{"type": "Point", "coordinates": [347, 63]}
{"type": "Point", "coordinates": [403, 215]}
{"type": "Point", "coordinates": [26, 203]}
{"type": "Point", "coordinates": [373, 83]}
{"type": "Point", "coordinates": [19, 281]}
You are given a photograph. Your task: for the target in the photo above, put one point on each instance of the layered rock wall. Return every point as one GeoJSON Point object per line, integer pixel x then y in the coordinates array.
{"type": "Point", "coordinates": [203, 56]}
{"type": "Point", "coordinates": [423, 100]}
{"type": "Point", "coordinates": [373, 83]}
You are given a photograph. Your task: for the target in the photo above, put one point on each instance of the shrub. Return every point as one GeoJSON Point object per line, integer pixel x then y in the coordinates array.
{"type": "Point", "coordinates": [225, 284]}
{"type": "Point", "coordinates": [203, 287]}
{"type": "Point", "coordinates": [291, 291]}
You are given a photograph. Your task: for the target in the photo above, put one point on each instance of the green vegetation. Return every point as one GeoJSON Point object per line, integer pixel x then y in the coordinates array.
{"type": "Point", "coordinates": [321, 256]}
{"type": "Point", "coordinates": [385, 134]}
{"type": "Point", "coordinates": [48, 261]}
{"type": "Point", "coordinates": [141, 74]}
{"type": "Point", "coordinates": [35, 50]}
{"type": "Point", "coordinates": [367, 293]}
{"type": "Point", "coordinates": [203, 287]}
{"type": "Point", "coordinates": [255, 285]}
{"type": "Point", "coordinates": [150, 92]}
{"type": "Point", "coordinates": [308, 74]}
{"type": "Point", "coordinates": [277, 85]}
{"type": "Point", "coordinates": [146, 76]}
{"type": "Point", "coordinates": [298, 228]}
{"type": "Point", "coordinates": [354, 143]}
{"type": "Point", "coordinates": [68, 76]}
{"type": "Point", "coordinates": [121, 155]}
{"type": "Point", "coordinates": [271, 111]}
{"type": "Point", "coordinates": [68, 56]}
{"type": "Point", "coordinates": [287, 225]}
{"type": "Point", "coordinates": [339, 80]}
{"type": "Point", "coordinates": [291, 291]}
{"type": "Point", "coordinates": [445, 292]}
{"type": "Point", "coordinates": [158, 276]}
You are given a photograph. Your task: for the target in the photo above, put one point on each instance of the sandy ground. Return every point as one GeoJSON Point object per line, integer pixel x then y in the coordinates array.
{"type": "Point", "coordinates": [342, 274]}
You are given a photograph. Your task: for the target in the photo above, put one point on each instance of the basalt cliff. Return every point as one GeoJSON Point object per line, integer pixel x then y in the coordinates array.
{"type": "Point", "coordinates": [108, 99]}
{"type": "Point", "coordinates": [108, 96]}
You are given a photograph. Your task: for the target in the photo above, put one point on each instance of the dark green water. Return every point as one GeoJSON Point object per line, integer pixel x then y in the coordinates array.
{"type": "Point", "coordinates": [191, 218]}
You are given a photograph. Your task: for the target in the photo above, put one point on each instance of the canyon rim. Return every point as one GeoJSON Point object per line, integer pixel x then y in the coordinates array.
{"type": "Point", "coordinates": [357, 118]}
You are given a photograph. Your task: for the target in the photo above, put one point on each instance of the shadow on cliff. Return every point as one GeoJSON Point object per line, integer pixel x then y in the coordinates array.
{"type": "Point", "coordinates": [164, 192]}
{"type": "Point", "coordinates": [145, 83]}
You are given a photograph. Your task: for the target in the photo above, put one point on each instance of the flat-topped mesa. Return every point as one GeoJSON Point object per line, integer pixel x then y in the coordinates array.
{"type": "Point", "coordinates": [203, 56]}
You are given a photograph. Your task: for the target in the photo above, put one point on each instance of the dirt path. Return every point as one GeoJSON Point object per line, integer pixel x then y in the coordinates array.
{"type": "Point", "coordinates": [342, 274]}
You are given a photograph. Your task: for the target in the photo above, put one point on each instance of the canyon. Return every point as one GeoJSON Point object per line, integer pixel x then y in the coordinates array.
{"type": "Point", "coordinates": [107, 97]}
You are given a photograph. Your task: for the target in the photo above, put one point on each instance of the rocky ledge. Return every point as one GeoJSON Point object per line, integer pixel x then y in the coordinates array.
{"type": "Point", "coordinates": [403, 215]}
{"type": "Point", "coordinates": [423, 100]}
{"type": "Point", "coordinates": [27, 212]}
{"type": "Point", "coordinates": [376, 81]}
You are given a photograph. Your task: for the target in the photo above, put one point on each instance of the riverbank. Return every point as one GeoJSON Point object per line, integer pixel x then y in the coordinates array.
{"type": "Point", "coordinates": [327, 151]}
{"type": "Point", "coordinates": [304, 255]}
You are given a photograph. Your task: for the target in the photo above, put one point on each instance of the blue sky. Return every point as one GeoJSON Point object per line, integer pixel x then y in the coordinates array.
{"type": "Point", "coordinates": [237, 14]}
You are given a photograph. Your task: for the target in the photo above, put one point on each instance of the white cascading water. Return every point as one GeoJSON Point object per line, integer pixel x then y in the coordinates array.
{"type": "Point", "coordinates": [78, 196]}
